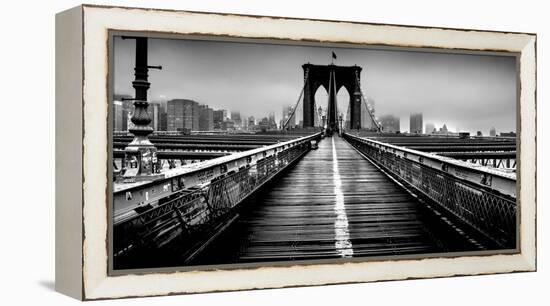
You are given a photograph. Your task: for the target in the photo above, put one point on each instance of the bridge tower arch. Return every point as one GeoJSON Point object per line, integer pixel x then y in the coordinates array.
{"type": "Point", "coordinates": [338, 77]}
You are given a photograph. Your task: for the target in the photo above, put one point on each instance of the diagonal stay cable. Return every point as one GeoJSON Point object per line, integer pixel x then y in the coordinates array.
{"type": "Point", "coordinates": [297, 101]}
{"type": "Point", "coordinates": [366, 105]}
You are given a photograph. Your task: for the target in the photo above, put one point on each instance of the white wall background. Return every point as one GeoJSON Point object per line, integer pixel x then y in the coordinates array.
{"type": "Point", "coordinates": [27, 153]}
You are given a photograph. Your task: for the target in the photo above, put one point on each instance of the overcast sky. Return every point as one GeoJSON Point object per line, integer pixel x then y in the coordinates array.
{"type": "Point", "coordinates": [467, 92]}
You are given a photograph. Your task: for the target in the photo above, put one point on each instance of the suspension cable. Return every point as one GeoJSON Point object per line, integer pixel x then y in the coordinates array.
{"type": "Point", "coordinates": [358, 85]}
{"type": "Point", "coordinates": [335, 96]}
{"type": "Point", "coordinates": [348, 112]}
{"type": "Point", "coordinates": [328, 98]}
{"type": "Point", "coordinates": [332, 75]}
{"type": "Point", "coordinates": [298, 101]}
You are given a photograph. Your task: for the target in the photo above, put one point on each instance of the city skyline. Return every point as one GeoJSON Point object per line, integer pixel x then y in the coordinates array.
{"type": "Point", "coordinates": [184, 115]}
{"type": "Point", "coordinates": [461, 91]}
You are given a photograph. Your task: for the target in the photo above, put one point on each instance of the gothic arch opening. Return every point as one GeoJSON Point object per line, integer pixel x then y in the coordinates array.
{"type": "Point", "coordinates": [320, 100]}
{"type": "Point", "coordinates": [343, 104]}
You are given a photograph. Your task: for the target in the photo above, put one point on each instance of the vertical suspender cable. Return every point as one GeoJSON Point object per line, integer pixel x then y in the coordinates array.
{"type": "Point", "coordinates": [328, 97]}
{"type": "Point", "coordinates": [335, 100]}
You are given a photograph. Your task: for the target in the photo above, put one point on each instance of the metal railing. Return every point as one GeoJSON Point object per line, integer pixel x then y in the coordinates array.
{"type": "Point", "coordinates": [199, 197]}
{"type": "Point", "coordinates": [479, 196]}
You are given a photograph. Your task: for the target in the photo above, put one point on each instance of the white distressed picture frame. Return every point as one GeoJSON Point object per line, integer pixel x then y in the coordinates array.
{"type": "Point", "coordinates": [82, 68]}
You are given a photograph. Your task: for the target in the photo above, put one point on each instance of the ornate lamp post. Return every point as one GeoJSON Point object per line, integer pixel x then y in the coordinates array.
{"type": "Point", "coordinates": [140, 160]}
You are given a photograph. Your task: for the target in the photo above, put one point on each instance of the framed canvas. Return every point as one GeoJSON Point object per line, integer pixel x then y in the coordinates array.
{"type": "Point", "coordinates": [201, 152]}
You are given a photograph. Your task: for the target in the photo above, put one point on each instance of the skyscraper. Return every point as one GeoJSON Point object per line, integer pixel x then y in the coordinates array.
{"type": "Point", "coordinates": [126, 113]}
{"type": "Point", "coordinates": [272, 122]}
{"type": "Point", "coordinates": [219, 116]}
{"type": "Point", "coordinates": [287, 112]}
{"type": "Point", "coordinates": [163, 120]}
{"type": "Point", "coordinates": [154, 111]}
{"type": "Point", "coordinates": [206, 118]}
{"type": "Point", "coordinates": [182, 115]}
{"type": "Point", "coordinates": [415, 124]}
{"type": "Point", "coordinates": [390, 123]}
{"type": "Point", "coordinates": [236, 117]}
{"type": "Point", "coordinates": [251, 122]}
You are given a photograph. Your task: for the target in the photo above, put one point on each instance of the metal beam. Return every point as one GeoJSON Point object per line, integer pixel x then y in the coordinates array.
{"type": "Point", "coordinates": [202, 147]}
{"type": "Point", "coordinates": [179, 154]}
{"type": "Point", "coordinates": [478, 155]}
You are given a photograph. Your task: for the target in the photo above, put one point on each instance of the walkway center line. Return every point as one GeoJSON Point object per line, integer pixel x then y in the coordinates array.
{"type": "Point", "coordinates": [342, 244]}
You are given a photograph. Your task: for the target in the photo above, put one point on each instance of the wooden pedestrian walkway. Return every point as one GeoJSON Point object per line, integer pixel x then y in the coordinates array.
{"type": "Point", "coordinates": [333, 203]}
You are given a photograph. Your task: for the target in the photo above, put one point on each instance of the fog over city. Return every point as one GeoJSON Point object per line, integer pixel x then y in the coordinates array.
{"type": "Point", "coordinates": [465, 92]}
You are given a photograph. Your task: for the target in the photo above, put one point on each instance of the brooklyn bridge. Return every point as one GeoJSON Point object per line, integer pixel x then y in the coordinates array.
{"type": "Point", "coordinates": [321, 192]}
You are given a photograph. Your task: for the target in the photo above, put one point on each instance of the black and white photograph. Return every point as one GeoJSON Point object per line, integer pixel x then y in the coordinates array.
{"type": "Point", "coordinates": [244, 153]}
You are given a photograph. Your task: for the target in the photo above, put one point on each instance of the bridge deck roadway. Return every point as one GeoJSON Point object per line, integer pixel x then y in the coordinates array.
{"type": "Point", "coordinates": [333, 203]}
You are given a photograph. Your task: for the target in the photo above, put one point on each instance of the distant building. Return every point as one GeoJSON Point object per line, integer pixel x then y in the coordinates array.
{"type": "Point", "coordinates": [117, 116]}
{"type": "Point", "coordinates": [415, 124]}
{"type": "Point", "coordinates": [493, 132]}
{"type": "Point", "coordinates": [236, 118]}
{"type": "Point", "coordinates": [430, 128]}
{"type": "Point", "coordinates": [267, 123]}
{"type": "Point", "coordinates": [154, 111]}
{"type": "Point", "coordinates": [509, 134]}
{"type": "Point", "coordinates": [122, 119]}
{"type": "Point", "coordinates": [390, 123]}
{"type": "Point", "coordinates": [161, 117]}
{"type": "Point", "coordinates": [272, 122]}
{"type": "Point", "coordinates": [264, 124]}
{"type": "Point", "coordinates": [251, 123]}
{"type": "Point", "coordinates": [319, 116]}
{"type": "Point", "coordinates": [463, 135]}
{"type": "Point", "coordinates": [228, 125]}
{"type": "Point", "coordinates": [340, 121]}
{"type": "Point", "coordinates": [206, 118]}
{"type": "Point", "coordinates": [163, 120]}
{"type": "Point", "coordinates": [445, 131]}
{"type": "Point", "coordinates": [182, 115]}
{"type": "Point", "coordinates": [287, 112]}
{"type": "Point", "coordinates": [218, 117]}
